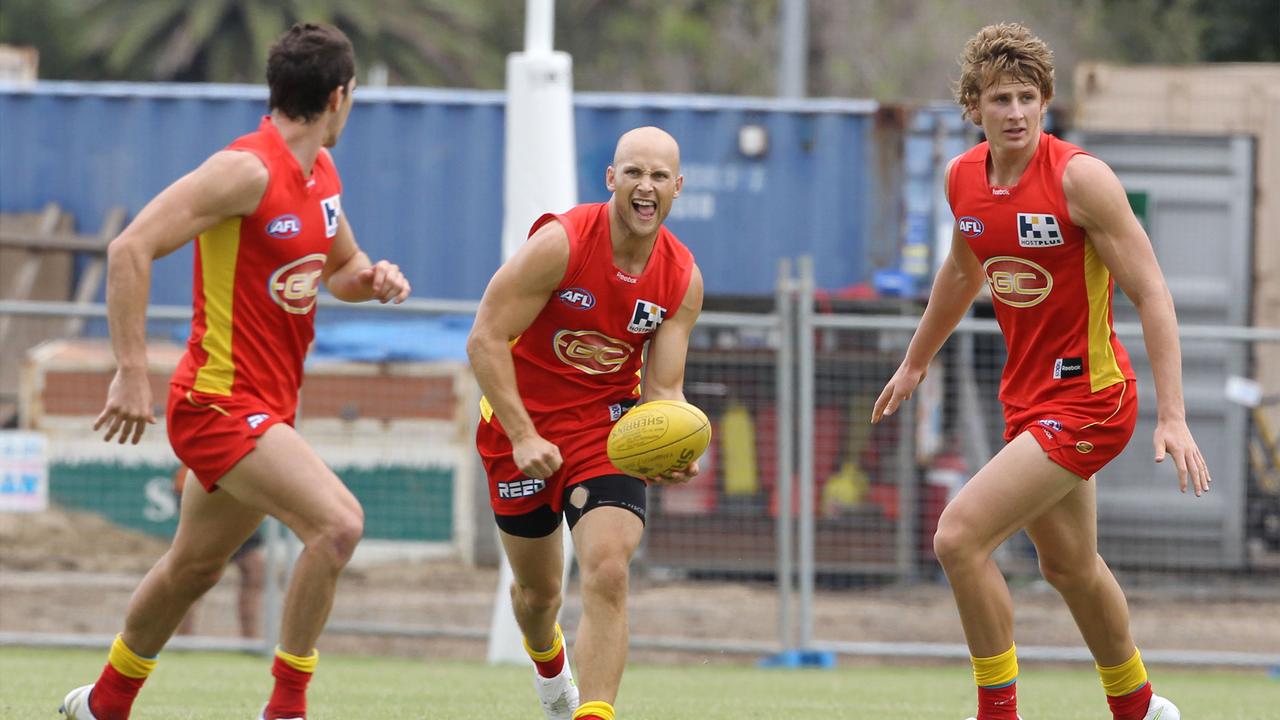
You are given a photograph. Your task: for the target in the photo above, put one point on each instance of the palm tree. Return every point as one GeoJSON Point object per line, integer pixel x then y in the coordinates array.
{"type": "Point", "coordinates": [422, 42]}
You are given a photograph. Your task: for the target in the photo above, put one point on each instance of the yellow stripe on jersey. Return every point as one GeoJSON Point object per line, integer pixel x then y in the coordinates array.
{"type": "Point", "coordinates": [219, 247]}
{"type": "Point", "coordinates": [1104, 371]}
{"type": "Point", "coordinates": [486, 409]}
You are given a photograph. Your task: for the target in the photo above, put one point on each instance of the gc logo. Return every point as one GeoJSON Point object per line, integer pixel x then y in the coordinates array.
{"type": "Point", "coordinates": [1017, 282]}
{"type": "Point", "coordinates": [591, 352]}
{"type": "Point", "coordinates": [294, 286]}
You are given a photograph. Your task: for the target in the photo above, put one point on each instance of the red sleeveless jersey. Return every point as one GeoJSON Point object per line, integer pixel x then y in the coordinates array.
{"type": "Point", "coordinates": [582, 354]}
{"type": "Point", "coordinates": [1051, 290]}
{"type": "Point", "coordinates": [256, 279]}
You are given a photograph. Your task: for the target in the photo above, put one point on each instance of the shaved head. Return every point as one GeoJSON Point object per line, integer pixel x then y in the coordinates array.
{"type": "Point", "coordinates": [644, 179]}
{"type": "Point", "coordinates": [648, 141]}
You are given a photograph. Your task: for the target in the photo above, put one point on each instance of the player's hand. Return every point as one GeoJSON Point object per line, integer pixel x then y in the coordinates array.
{"type": "Point", "coordinates": [536, 457]}
{"type": "Point", "coordinates": [676, 477]}
{"type": "Point", "coordinates": [128, 410]}
{"type": "Point", "coordinates": [1174, 438]}
{"type": "Point", "coordinates": [897, 391]}
{"type": "Point", "coordinates": [386, 282]}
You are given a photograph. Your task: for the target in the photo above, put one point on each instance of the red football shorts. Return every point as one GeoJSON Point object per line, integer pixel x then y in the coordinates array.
{"type": "Point", "coordinates": [1080, 434]}
{"type": "Point", "coordinates": [211, 433]}
{"type": "Point", "coordinates": [511, 492]}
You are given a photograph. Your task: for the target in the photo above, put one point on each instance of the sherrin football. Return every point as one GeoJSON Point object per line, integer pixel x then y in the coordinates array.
{"type": "Point", "coordinates": [657, 437]}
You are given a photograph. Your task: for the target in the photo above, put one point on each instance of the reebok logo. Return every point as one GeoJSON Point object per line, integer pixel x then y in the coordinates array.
{"type": "Point", "coordinates": [1067, 368]}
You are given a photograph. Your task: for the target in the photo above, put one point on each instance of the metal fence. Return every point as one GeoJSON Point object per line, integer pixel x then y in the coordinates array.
{"type": "Point", "coordinates": [808, 533]}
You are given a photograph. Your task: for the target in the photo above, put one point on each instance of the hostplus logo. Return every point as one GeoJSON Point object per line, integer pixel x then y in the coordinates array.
{"type": "Point", "coordinates": [646, 317]}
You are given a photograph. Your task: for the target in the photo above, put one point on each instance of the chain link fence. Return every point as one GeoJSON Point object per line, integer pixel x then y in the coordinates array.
{"type": "Point", "coordinates": [809, 530]}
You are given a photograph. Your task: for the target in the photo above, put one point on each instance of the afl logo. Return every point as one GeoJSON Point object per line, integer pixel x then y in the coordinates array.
{"type": "Point", "coordinates": [577, 298]}
{"type": "Point", "coordinates": [284, 227]}
{"type": "Point", "coordinates": [591, 352]}
{"type": "Point", "coordinates": [1017, 282]}
{"type": "Point", "coordinates": [294, 286]}
{"type": "Point", "coordinates": [970, 227]}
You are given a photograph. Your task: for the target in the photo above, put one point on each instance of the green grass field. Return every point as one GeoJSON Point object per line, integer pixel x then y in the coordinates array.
{"type": "Point", "coordinates": [208, 686]}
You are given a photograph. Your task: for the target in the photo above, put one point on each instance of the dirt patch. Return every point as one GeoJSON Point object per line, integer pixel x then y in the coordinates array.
{"type": "Point", "coordinates": [74, 572]}
{"type": "Point", "coordinates": [61, 540]}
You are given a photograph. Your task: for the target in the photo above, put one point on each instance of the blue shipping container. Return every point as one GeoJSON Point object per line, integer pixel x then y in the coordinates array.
{"type": "Point", "coordinates": [422, 172]}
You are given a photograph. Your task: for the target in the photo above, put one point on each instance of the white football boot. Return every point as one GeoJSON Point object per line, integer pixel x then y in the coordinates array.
{"type": "Point", "coordinates": [76, 704]}
{"type": "Point", "coordinates": [1161, 709]}
{"type": "Point", "coordinates": [559, 694]}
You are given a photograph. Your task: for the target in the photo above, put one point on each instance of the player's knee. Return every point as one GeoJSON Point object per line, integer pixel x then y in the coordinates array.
{"type": "Point", "coordinates": [1067, 572]}
{"type": "Point", "coordinates": [607, 578]}
{"type": "Point", "coordinates": [338, 540]}
{"type": "Point", "coordinates": [196, 576]}
{"type": "Point", "coordinates": [540, 597]}
{"type": "Point", "coordinates": [952, 544]}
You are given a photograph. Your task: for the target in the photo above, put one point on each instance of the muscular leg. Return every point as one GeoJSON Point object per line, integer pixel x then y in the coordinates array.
{"type": "Point", "coordinates": [538, 565]}
{"type": "Point", "coordinates": [285, 478]}
{"type": "Point", "coordinates": [605, 539]}
{"type": "Point", "coordinates": [1015, 487]}
{"type": "Point", "coordinates": [210, 528]}
{"type": "Point", "coordinates": [1066, 539]}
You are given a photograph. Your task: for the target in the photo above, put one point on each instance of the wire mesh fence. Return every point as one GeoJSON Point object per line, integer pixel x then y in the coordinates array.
{"type": "Point", "coordinates": [809, 527]}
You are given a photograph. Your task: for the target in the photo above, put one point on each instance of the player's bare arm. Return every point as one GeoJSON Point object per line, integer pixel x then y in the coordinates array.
{"type": "Point", "coordinates": [954, 287]}
{"type": "Point", "coordinates": [664, 365]}
{"type": "Point", "coordinates": [351, 277]}
{"type": "Point", "coordinates": [228, 184]}
{"type": "Point", "coordinates": [511, 302]}
{"type": "Point", "coordinates": [1097, 203]}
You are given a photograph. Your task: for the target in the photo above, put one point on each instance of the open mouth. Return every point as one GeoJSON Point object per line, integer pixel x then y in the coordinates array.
{"type": "Point", "coordinates": [645, 209]}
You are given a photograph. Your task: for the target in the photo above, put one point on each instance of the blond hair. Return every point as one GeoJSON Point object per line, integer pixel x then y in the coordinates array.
{"type": "Point", "coordinates": [1004, 50]}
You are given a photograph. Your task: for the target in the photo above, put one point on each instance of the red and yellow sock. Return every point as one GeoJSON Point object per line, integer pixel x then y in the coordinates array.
{"type": "Point", "coordinates": [550, 661]}
{"type": "Point", "coordinates": [1128, 690]}
{"type": "Point", "coordinates": [292, 673]}
{"type": "Point", "coordinates": [997, 681]}
{"type": "Point", "coordinates": [594, 710]}
{"type": "Point", "coordinates": [120, 681]}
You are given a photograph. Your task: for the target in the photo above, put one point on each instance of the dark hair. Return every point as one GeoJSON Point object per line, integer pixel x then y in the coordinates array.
{"type": "Point", "coordinates": [304, 65]}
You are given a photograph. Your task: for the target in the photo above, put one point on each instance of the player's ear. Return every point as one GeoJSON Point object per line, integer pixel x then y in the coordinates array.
{"type": "Point", "coordinates": [609, 184]}
{"type": "Point", "coordinates": [679, 184]}
{"type": "Point", "coordinates": [335, 97]}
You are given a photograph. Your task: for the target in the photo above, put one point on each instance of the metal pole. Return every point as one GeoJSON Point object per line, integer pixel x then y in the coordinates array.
{"type": "Point", "coordinates": [539, 26]}
{"type": "Point", "coordinates": [908, 515]}
{"type": "Point", "coordinates": [804, 459]}
{"type": "Point", "coordinates": [272, 597]}
{"type": "Point", "coordinates": [784, 307]}
{"type": "Point", "coordinates": [793, 39]}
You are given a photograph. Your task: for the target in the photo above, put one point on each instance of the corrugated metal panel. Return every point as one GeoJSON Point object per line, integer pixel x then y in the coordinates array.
{"type": "Point", "coordinates": [422, 172]}
{"type": "Point", "coordinates": [1221, 98]}
{"type": "Point", "coordinates": [1198, 188]}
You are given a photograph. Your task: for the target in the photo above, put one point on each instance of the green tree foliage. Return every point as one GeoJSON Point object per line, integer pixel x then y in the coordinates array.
{"type": "Point", "coordinates": [1241, 30]}
{"type": "Point", "coordinates": [891, 50]}
{"type": "Point", "coordinates": [426, 42]}
{"type": "Point", "coordinates": [47, 25]}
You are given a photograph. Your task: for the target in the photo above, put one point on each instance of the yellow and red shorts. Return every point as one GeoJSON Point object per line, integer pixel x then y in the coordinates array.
{"type": "Point", "coordinates": [1080, 434]}
{"type": "Point", "coordinates": [211, 433]}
